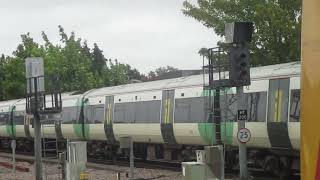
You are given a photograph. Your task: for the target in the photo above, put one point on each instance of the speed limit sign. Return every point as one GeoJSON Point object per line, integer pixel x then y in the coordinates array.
{"type": "Point", "coordinates": [244, 135]}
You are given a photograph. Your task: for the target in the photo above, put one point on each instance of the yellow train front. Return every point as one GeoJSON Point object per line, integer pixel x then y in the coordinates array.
{"type": "Point", "coordinates": [168, 118]}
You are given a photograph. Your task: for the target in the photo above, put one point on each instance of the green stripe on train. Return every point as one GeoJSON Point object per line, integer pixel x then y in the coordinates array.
{"type": "Point", "coordinates": [81, 130]}
{"type": "Point", "coordinates": [207, 132]}
{"type": "Point", "coordinates": [227, 132]}
{"type": "Point", "coordinates": [11, 130]}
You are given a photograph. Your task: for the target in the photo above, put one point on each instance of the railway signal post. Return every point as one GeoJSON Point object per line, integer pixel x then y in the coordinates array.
{"type": "Point", "coordinates": [35, 87]}
{"type": "Point", "coordinates": [242, 145]}
{"type": "Point", "coordinates": [36, 104]}
{"type": "Point", "coordinates": [237, 64]}
{"type": "Point", "coordinates": [238, 34]}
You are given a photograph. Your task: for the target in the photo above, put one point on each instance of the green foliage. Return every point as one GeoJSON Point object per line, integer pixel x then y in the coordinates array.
{"type": "Point", "coordinates": [277, 25]}
{"type": "Point", "coordinates": [78, 67]}
{"type": "Point", "coordinates": [152, 75]}
{"type": "Point", "coordinates": [13, 78]}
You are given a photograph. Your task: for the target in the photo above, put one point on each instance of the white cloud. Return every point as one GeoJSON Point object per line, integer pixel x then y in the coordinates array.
{"type": "Point", "coordinates": [144, 33]}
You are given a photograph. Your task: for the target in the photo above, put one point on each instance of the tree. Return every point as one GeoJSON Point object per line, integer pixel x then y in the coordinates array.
{"type": "Point", "coordinates": [86, 49]}
{"type": "Point", "coordinates": [277, 25]}
{"type": "Point", "coordinates": [28, 48]}
{"type": "Point", "coordinates": [75, 65]}
{"type": "Point", "coordinates": [152, 75]}
{"type": "Point", "coordinates": [2, 75]}
{"type": "Point", "coordinates": [99, 61]}
{"type": "Point", "coordinates": [79, 67]}
{"type": "Point", "coordinates": [203, 52]}
{"type": "Point", "coordinates": [118, 73]}
{"type": "Point", "coordinates": [14, 78]}
{"type": "Point", "coordinates": [162, 70]}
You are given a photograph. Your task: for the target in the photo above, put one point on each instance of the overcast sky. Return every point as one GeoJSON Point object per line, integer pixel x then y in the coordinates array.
{"type": "Point", "coordinates": [143, 33]}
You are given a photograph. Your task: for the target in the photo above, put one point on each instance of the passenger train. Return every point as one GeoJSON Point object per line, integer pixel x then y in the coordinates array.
{"type": "Point", "coordinates": [172, 113]}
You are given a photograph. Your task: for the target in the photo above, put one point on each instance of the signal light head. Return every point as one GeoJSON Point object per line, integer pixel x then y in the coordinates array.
{"type": "Point", "coordinates": [239, 66]}
{"type": "Point", "coordinates": [243, 55]}
{"type": "Point", "coordinates": [243, 64]}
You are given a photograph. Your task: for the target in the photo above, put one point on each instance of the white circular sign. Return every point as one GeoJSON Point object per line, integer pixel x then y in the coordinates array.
{"type": "Point", "coordinates": [244, 135]}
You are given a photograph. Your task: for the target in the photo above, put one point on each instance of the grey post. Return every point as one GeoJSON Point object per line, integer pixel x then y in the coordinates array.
{"type": "Point", "coordinates": [131, 175]}
{"type": "Point", "coordinates": [35, 85]}
{"type": "Point", "coordinates": [13, 146]}
{"type": "Point", "coordinates": [242, 146]}
{"type": "Point", "coordinates": [37, 148]}
{"type": "Point", "coordinates": [127, 143]}
{"type": "Point", "coordinates": [37, 137]}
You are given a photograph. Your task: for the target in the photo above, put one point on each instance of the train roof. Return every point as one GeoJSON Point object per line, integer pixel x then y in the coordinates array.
{"type": "Point", "coordinates": [271, 71]}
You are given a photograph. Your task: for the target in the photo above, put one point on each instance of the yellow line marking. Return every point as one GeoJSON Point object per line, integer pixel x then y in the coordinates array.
{"type": "Point", "coordinates": [279, 105]}
{"type": "Point", "coordinates": [275, 106]}
{"type": "Point", "coordinates": [166, 112]}
{"type": "Point", "coordinates": [110, 113]}
{"type": "Point", "coordinates": [169, 110]}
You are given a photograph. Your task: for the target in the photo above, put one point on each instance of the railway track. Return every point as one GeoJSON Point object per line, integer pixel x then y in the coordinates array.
{"type": "Point", "coordinates": [102, 164]}
{"type": "Point", "coordinates": [256, 174]}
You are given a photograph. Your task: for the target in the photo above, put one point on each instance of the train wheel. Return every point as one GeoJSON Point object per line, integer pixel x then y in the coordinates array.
{"type": "Point", "coordinates": [272, 165]}
{"type": "Point", "coordinates": [230, 160]}
{"type": "Point", "coordinates": [285, 168]}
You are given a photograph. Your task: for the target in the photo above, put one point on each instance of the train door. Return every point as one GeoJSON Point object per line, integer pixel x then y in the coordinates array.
{"type": "Point", "coordinates": [87, 111]}
{"type": "Point", "coordinates": [28, 124]}
{"type": "Point", "coordinates": [108, 128]}
{"type": "Point", "coordinates": [277, 124]}
{"type": "Point", "coordinates": [83, 112]}
{"type": "Point", "coordinates": [11, 124]}
{"type": "Point", "coordinates": [167, 116]}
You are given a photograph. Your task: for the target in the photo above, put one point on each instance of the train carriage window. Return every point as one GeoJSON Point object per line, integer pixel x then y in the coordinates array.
{"type": "Point", "coordinates": [130, 113]}
{"type": "Point", "coordinates": [255, 104]}
{"type": "Point", "coordinates": [228, 106]}
{"type": "Point", "coordinates": [295, 105]}
{"type": "Point", "coordinates": [197, 108]}
{"type": "Point", "coordinates": [51, 118]}
{"type": "Point", "coordinates": [88, 113]}
{"type": "Point", "coordinates": [70, 115]}
{"type": "Point", "coordinates": [119, 113]}
{"type": "Point", "coordinates": [141, 113]}
{"type": "Point", "coordinates": [189, 110]}
{"type": "Point", "coordinates": [137, 112]}
{"type": "Point", "coordinates": [182, 111]}
{"type": "Point", "coordinates": [147, 111]}
{"type": "Point", "coordinates": [4, 118]}
{"type": "Point", "coordinates": [98, 114]}
{"type": "Point", "coordinates": [18, 118]}
{"type": "Point", "coordinates": [123, 113]}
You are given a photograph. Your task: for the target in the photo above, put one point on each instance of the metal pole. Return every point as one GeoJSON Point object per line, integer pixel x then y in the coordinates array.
{"type": "Point", "coordinates": [118, 176]}
{"type": "Point", "coordinates": [37, 137]}
{"type": "Point", "coordinates": [13, 146]}
{"type": "Point", "coordinates": [131, 176]}
{"type": "Point", "coordinates": [62, 161]}
{"type": "Point", "coordinates": [242, 146]}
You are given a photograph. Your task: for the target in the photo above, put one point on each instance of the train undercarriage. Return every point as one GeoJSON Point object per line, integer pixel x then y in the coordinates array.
{"type": "Point", "coordinates": [279, 162]}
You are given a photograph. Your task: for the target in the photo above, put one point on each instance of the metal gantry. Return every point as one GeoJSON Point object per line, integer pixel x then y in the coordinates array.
{"type": "Point", "coordinates": [229, 66]}
{"type": "Point", "coordinates": [217, 64]}
{"type": "Point", "coordinates": [36, 103]}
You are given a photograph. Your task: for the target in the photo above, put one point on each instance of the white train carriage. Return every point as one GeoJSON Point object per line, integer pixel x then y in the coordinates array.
{"type": "Point", "coordinates": [173, 112]}
{"type": "Point", "coordinates": [5, 131]}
